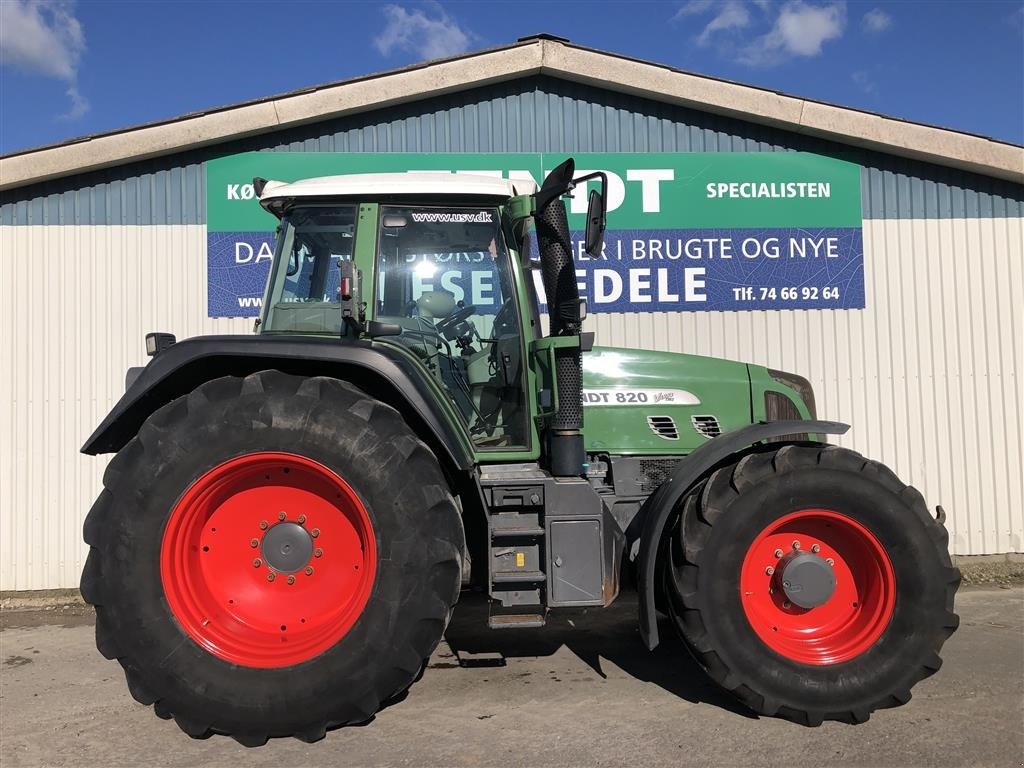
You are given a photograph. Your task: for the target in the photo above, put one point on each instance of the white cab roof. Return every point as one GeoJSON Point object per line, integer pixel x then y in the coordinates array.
{"type": "Point", "coordinates": [370, 185]}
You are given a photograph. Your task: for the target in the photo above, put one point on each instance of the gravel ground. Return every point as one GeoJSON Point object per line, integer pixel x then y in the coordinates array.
{"type": "Point", "coordinates": [582, 691]}
{"type": "Point", "coordinates": [993, 574]}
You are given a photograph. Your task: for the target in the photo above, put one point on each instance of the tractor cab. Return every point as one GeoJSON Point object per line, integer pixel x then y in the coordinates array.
{"type": "Point", "coordinates": [439, 278]}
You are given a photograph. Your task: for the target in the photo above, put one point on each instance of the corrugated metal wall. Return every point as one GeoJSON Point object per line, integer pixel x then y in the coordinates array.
{"type": "Point", "coordinates": [77, 302]}
{"type": "Point", "coordinates": [929, 373]}
{"type": "Point", "coordinates": [536, 114]}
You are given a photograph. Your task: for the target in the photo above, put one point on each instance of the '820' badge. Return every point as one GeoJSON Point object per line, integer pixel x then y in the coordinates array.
{"type": "Point", "coordinates": [630, 396]}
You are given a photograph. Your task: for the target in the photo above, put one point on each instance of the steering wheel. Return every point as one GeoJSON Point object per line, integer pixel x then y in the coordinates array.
{"type": "Point", "coordinates": [449, 327]}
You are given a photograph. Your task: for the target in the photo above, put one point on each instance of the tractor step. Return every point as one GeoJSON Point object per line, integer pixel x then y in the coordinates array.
{"type": "Point", "coordinates": [516, 621]}
{"type": "Point", "coordinates": [515, 498]}
{"type": "Point", "coordinates": [512, 533]}
{"type": "Point", "coordinates": [518, 577]}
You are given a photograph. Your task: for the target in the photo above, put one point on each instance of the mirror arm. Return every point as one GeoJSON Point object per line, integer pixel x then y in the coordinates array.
{"type": "Point", "coordinates": [595, 175]}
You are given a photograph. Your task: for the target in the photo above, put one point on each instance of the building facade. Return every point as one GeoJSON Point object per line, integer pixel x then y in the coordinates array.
{"type": "Point", "coordinates": [104, 239]}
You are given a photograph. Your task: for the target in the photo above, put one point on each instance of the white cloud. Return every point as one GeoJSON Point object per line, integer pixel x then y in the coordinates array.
{"type": "Point", "coordinates": [79, 104]}
{"type": "Point", "coordinates": [876, 20]}
{"type": "Point", "coordinates": [800, 30]}
{"type": "Point", "coordinates": [43, 37]}
{"type": "Point", "coordinates": [693, 8]}
{"type": "Point", "coordinates": [732, 14]}
{"type": "Point", "coordinates": [422, 35]}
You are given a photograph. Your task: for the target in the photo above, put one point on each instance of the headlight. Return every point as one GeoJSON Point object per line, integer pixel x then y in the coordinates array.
{"type": "Point", "coordinates": [801, 385]}
{"type": "Point", "coordinates": [158, 342]}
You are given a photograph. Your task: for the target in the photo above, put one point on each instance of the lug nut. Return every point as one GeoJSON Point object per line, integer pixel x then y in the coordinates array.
{"type": "Point", "coordinates": [271, 576]}
{"type": "Point", "coordinates": [796, 544]}
{"type": "Point", "coordinates": [315, 532]}
{"type": "Point", "coordinates": [264, 524]}
{"type": "Point", "coordinates": [281, 516]}
{"type": "Point", "coordinates": [257, 563]}
{"type": "Point", "coordinates": [291, 579]}
{"type": "Point", "coordinates": [769, 570]}
{"type": "Point", "coordinates": [318, 552]}
{"type": "Point", "coordinates": [830, 561]}
{"type": "Point", "coordinates": [301, 519]}
{"type": "Point", "coordinates": [778, 553]}
{"type": "Point", "coordinates": [786, 604]}
{"type": "Point", "coordinates": [815, 548]}
{"type": "Point", "coordinates": [254, 543]}
{"type": "Point", "coordinates": [309, 570]}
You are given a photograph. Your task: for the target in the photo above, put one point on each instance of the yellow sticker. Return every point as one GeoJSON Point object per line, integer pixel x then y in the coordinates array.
{"type": "Point", "coordinates": [520, 559]}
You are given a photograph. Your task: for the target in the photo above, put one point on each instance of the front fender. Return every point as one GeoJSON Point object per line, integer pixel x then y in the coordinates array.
{"type": "Point", "coordinates": [182, 367]}
{"type": "Point", "coordinates": [691, 469]}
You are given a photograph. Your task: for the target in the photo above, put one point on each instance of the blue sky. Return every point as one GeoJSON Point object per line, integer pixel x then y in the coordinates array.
{"type": "Point", "coordinates": [68, 69]}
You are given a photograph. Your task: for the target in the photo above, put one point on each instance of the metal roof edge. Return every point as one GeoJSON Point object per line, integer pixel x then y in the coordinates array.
{"type": "Point", "coordinates": [844, 125]}
{"type": "Point", "coordinates": [535, 55]}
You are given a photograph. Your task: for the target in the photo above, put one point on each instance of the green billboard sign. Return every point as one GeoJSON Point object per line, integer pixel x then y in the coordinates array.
{"type": "Point", "coordinates": [751, 225]}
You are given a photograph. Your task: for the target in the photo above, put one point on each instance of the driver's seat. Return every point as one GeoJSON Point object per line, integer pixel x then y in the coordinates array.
{"type": "Point", "coordinates": [435, 305]}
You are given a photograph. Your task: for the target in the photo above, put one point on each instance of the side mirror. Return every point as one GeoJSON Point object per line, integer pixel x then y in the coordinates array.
{"type": "Point", "coordinates": [594, 239]}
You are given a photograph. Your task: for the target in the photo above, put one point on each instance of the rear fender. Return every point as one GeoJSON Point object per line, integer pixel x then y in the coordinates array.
{"type": "Point", "coordinates": [660, 505]}
{"type": "Point", "coordinates": [182, 367]}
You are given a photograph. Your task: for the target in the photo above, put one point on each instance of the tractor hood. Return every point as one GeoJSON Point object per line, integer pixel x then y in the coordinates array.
{"type": "Point", "coordinates": [657, 403]}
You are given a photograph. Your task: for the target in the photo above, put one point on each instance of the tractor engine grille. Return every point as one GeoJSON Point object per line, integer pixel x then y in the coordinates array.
{"type": "Point", "coordinates": [654, 472]}
{"type": "Point", "coordinates": [778, 407]}
{"type": "Point", "coordinates": [706, 425]}
{"type": "Point", "coordinates": [663, 426]}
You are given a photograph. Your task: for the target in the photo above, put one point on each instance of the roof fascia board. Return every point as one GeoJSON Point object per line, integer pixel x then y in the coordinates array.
{"type": "Point", "coordinates": [840, 124]}
{"type": "Point", "coordinates": [561, 60]}
{"type": "Point", "coordinates": [261, 117]}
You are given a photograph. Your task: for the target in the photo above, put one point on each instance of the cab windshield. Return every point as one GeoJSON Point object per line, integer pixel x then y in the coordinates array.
{"type": "Point", "coordinates": [444, 275]}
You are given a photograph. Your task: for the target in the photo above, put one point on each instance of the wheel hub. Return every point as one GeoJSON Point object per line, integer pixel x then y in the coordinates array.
{"type": "Point", "coordinates": [807, 580]}
{"type": "Point", "coordinates": [287, 547]}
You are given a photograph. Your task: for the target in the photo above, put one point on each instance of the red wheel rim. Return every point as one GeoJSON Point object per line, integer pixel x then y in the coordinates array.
{"type": "Point", "coordinates": [233, 559]}
{"type": "Point", "coordinates": [851, 619]}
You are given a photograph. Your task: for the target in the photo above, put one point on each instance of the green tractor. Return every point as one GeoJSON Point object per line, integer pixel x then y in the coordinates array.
{"type": "Point", "coordinates": [290, 516]}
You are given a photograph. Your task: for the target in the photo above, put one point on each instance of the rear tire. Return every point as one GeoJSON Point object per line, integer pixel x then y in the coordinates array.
{"type": "Point", "coordinates": [162, 595]}
{"type": "Point", "coordinates": [869, 641]}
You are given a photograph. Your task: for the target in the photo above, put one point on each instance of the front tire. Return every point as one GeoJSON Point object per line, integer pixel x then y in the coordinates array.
{"type": "Point", "coordinates": [272, 556]}
{"type": "Point", "coordinates": [811, 583]}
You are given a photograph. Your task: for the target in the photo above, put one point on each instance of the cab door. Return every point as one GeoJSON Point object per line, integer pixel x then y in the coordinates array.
{"type": "Point", "coordinates": [446, 276]}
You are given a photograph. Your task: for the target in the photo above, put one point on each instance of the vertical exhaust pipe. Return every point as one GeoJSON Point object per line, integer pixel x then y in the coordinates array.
{"type": "Point", "coordinates": [565, 437]}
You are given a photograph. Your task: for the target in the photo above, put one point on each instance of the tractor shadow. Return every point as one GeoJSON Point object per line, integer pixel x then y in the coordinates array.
{"type": "Point", "coordinates": [596, 635]}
